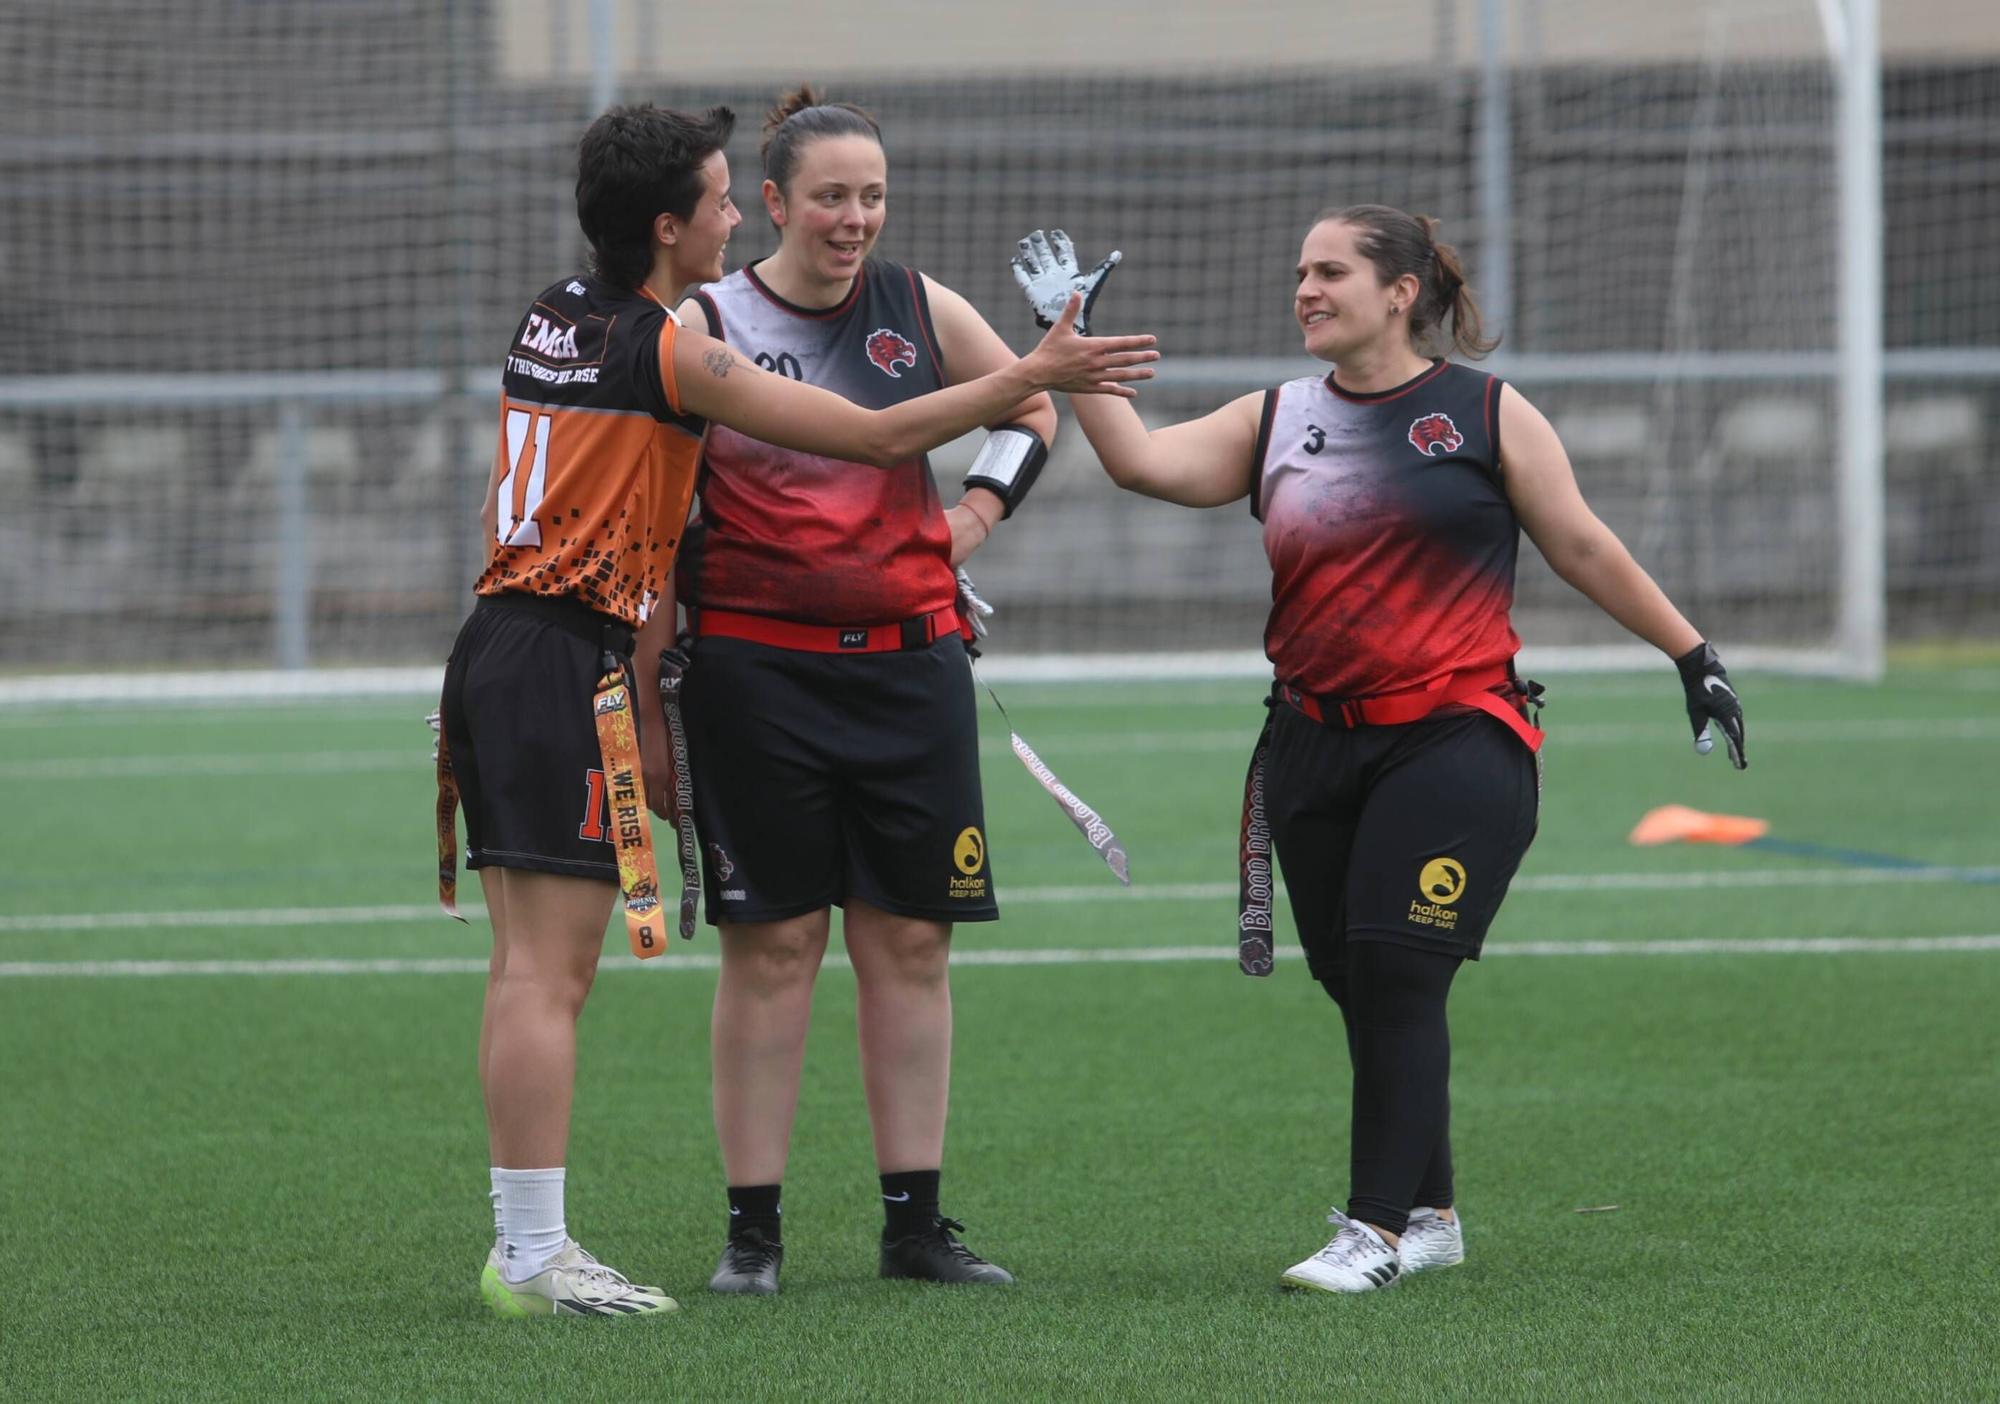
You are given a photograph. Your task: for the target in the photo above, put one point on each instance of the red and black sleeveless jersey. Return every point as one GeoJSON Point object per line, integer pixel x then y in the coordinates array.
{"type": "Point", "coordinates": [1391, 539]}
{"type": "Point", "coordinates": [596, 463]}
{"type": "Point", "coordinates": [822, 540]}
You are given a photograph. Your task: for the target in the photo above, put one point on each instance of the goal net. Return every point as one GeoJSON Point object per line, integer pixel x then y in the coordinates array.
{"type": "Point", "coordinates": [264, 258]}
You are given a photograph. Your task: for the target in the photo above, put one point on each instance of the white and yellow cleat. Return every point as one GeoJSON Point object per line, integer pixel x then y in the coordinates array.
{"type": "Point", "coordinates": [573, 1284]}
{"type": "Point", "coordinates": [1358, 1259]}
{"type": "Point", "coordinates": [1431, 1241]}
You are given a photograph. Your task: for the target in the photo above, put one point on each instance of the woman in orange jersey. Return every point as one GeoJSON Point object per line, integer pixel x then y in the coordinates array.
{"type": "Point", "coordinates": [1397, 776]}
{"type": "Point", "coordinates": [604, 405]}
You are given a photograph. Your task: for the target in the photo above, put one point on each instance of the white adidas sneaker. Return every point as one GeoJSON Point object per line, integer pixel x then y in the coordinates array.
{"type": "Point", "coordinates": [1431, 1241]}
{"type": "Point", "coordinates": [573, 1284]}
{"type": "Point", "coordinates": [1357, 1260]}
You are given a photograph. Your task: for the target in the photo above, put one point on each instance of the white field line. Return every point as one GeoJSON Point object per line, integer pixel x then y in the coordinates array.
{"type": "Point", "coordinates": [272, 917]}
{"type": "Point", "coordinates": [1219, 680]}
{"type": "Point", "coordinates": [1142, 955]}
{"type": "Point", "coordinates": [240, 686]}
{"type": "Point", "coordinates": [214, 765]}
{"type": "Point", "coordinates": [259, 917]}
{"type": "Point", "coordinates": [1561, 736]}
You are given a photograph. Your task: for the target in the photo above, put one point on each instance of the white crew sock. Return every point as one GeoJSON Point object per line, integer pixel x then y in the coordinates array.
{"type": "Point", "coordinates": [530, 1219]}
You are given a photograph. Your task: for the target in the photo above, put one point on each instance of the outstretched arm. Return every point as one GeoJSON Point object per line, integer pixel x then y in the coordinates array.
{"type": "Point", "coordinates": [1201, 463]}
{"type": "Point", "coordinates": [717, 383]}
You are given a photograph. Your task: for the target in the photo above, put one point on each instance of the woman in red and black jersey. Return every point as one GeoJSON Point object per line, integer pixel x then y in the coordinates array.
{"type": "Point", "coordinates": [1397, 776]}
{"type": "Point", "coordinates": [829, 701]}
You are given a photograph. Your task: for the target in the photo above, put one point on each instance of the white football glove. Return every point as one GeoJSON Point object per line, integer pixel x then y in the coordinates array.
{"type": "Point", "coordinates": [435, 721]}
{"type": "Point", "coordinates": [1045, 268]}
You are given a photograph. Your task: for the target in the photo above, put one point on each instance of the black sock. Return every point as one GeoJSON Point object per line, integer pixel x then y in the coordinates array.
{"type": "Point", "coordinates": [755, 1207]}
{"type": "Point", "coordinates": [910, 1201]}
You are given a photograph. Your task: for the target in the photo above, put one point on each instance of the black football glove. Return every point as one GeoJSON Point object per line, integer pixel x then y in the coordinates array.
{"type": "Point", "coordinates": [1711, 701]}
{"type": "Point", "coordinates": [1046, 270]}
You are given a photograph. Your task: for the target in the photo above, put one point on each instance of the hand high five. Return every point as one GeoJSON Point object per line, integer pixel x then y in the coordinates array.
{"type": "Point", "coordinates": [1046, 270]}
{"type": "Point", "coordinates": [1100, 365]}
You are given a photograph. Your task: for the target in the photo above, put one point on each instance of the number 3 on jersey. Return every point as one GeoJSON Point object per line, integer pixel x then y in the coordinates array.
{"type": "Point", "coordinates": [520, 493]}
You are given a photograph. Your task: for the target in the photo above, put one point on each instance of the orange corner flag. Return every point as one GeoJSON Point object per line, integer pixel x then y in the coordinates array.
{"type": "Point", "coordinates": [1676, 823]}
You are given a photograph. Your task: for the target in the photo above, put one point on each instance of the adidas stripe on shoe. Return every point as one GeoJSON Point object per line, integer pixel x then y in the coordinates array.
{"type": "Point", "coordinates": [573, 1284]}
{"type": "Point", "coordinates": [1357, 1259]}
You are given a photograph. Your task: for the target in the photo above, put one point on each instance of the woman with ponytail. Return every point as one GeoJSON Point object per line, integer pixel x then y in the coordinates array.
{"type": "Point", "coordinates": [1397, 776]}
{"type": "Point", "coordinates": [829, 700]}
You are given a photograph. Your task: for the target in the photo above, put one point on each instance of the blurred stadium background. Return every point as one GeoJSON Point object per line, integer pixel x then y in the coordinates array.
{"type": "Point", "coordinates": [264, 256]}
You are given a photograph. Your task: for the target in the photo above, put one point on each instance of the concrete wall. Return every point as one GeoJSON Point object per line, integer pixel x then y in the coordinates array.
{"type": "Point", "coordinates": [784, 39]}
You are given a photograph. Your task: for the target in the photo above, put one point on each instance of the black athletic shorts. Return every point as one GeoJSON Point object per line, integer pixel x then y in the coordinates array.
{"type": "Point", "coordinates": [820, 776]}
{"type": "Point", "coordinates": [517, 715]}
{"type": "Point", "coordinates": [1407, 834]}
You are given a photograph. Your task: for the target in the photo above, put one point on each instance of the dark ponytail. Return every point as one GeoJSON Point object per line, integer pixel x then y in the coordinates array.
{"type": "Point", "coordinates": [800, 117]}
{"type": "Point", "coordinates": [1398, 243]}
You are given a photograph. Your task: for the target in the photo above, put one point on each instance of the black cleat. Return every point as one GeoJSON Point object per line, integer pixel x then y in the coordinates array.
{"type": "Point", "coordinates": [935, 1255]}
{"type": "Point", "coordinates": [749, 1264]}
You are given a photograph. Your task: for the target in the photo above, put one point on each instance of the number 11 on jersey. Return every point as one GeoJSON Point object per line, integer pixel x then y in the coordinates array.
{"type": "Point", "coordinates": [520, 494]}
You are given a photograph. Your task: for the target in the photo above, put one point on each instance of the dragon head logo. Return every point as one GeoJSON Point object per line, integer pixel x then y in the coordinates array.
{"type": "Point", "coordinates": [889, 349]}
{"type": "Point", "coordinates": [1434, 434]}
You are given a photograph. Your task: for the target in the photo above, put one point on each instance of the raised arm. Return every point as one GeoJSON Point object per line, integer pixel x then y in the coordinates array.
{"type": "Point", "coordinates": [1200, 463]}
{"type": "Point", "coordinates": [717, 383]}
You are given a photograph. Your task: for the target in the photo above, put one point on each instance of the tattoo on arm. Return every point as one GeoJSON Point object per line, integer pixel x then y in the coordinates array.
{"type": "Point", "coordinates": [719, 362]}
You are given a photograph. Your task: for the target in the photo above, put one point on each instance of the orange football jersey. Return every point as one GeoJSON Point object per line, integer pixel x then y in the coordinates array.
{"type": "Point", "coordinates": [596, 463]}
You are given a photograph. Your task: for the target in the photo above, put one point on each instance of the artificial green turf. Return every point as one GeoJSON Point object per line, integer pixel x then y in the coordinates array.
{"type": "Point", "coordinates": [273, 1187]}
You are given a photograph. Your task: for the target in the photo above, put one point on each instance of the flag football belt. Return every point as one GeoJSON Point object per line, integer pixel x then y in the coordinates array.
{"type": "Point", "coordinates": [921, 632]}
{"type": "Point", "coordinates": [1256, 874]}
{"type": "Point", "coordinates": [680, 794]}
{"type": "Point", "coordinates": [1471, 688]}
{"type": "Point", "coordinates": [618, 751]}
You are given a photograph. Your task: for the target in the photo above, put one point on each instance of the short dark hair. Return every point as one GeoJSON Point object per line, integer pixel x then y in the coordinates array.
{"type": "Point", "coordinates": [1397, 243]}
{"type": "Point", "coordinates": [634, 164]}
{"type": "Point", "coordinates": [802, 116]}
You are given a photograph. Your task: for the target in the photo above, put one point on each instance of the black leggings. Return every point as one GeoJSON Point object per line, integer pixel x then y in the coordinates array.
{"type": "Point", "coordinates": [1392, 1000]}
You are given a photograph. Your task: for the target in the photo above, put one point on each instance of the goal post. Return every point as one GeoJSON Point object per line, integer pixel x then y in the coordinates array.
{"type": "Point", "coordinates": [1863, 582]}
